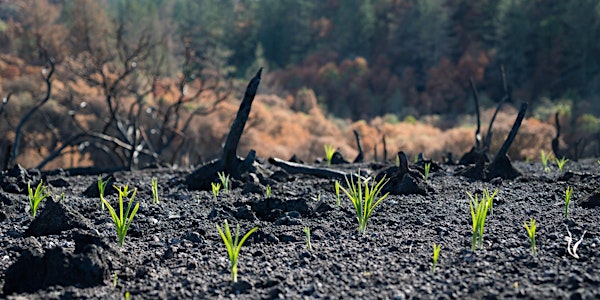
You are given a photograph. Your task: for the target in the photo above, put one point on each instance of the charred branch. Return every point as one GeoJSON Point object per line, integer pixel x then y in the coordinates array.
{"type": "Point", "coordinates": [47, 76]}
{"type": "Point", "coordinates": [360, 157]}
{"type": "Point", "coordinates": [229, 163]}
{"type": "Point", "coordinates": [478, 131]}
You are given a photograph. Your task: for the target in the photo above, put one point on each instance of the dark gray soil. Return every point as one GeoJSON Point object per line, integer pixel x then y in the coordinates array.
{"type": "Point", "coordinates": [173, 249]}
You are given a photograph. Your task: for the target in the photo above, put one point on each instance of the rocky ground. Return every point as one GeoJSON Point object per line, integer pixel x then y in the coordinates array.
{"type": "Point", "coordinates": [173, 250]}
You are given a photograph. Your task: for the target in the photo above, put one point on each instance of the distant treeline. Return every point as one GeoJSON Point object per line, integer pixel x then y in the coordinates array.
{"type": "Point", "coordinates": [363, 58]}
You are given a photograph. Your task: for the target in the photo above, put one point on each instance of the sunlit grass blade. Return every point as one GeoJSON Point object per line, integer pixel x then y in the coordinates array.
{"type": "Point", "coordinates": [531, 228]}
{"type": "Point", "coordinates": [568, 195]}
{"type": "Point", "coordinates": [364, 201]}
{"type": "Point", "coordinates": [436, 254]}
{"type": "Point", "coordinates": [233, 245]}
{"type": "Point", "coordinates": [123, 219]}
{"type": "Point", "coordinates": [479, 211]}
{"type": "Point", "coordinates": [329, 151]}
{"type": "Point", "coordinates": [154, 187]}
{"type": "Point", "coordinates": [35, 198]}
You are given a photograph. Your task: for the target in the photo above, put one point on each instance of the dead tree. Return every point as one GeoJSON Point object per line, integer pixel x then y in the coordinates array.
{"type": "Point", "coordinates": [501, 165]}
{"type": "Point", "coordinates": [174, 124]}
{"type": "Point", "coordinates": [229, 163]}
{"type": "Point", "coordinates": [482, 146]}
{"type": "Point", "coordinates": [47, 76]}
{"type": "Point", "coordinates": [360, 157]}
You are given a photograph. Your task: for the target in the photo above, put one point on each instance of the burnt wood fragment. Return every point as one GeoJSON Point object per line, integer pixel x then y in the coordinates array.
{"type": "Point", "coordinates": [360, 157]}
{"type": "Point", "coordinates": [229, 162]}
{"type": "Point", "coordinates": [295, 168]}
{"type": "Point", "coordinates": [501, 166]}
{"type": "Point", "coordinates": [403, 180]}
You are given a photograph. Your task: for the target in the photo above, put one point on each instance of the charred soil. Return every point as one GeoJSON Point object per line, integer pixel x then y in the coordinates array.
{"type": "Point", "coordinates": [173, 249]}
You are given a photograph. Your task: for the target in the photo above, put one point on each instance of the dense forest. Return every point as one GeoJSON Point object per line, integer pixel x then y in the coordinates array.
{"type": "Point", "coordinates": [361, 59]}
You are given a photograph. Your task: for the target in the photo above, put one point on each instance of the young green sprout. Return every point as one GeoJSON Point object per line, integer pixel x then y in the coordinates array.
{"type": "Point", "coordinates": [568, 194]}
{"type": "Point", "coordinates": [479, 211]}
{"type": "Point", "coordinates": [224, 181]}
{"type": "Point", "coordinates": [215, 188]}
{"type": "Point", "coordinates": [115, 277]}
{"type": "Point", "coordinates": [268, 191]}
{"type": "Point", "coordinates": [561, 163]}
{"type": "Point", "coordinates": [123, 219]}
{"type": "Point", "coordinates": [364, 199]}
{"type": "Point", "coordinates": [436, 255]}
{"type": "Point", "coordinates": [397, 160]}
{"type": "Point", "coordinates": [545, 161]}
{"type": "Point", "coordinates": [101, 189]}
{"type": "Point", "coordinates": [233, 245]}
{"type": "Point", "coordinates": [329, 151]}
{"type": "Point", "coordinates": [531, 234]}
{"type": "Point", "coordinates": [154, 182]}
{"type": "Point", "coordinates": [35, 198]}
{"type": "Point", "coordinates": [337, 193]}
{"type": "Point", "coordinates": [307, 238]}
{"type": "Point", "coordinates": [427, 168]}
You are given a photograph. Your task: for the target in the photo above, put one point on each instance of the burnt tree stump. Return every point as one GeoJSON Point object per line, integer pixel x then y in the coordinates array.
{"type": "Point", "coordinates": [403, 180]}
{"type": "Point", "coordinates": [229, 162]}
{"type": "Point", "coordinates": [501, 166]}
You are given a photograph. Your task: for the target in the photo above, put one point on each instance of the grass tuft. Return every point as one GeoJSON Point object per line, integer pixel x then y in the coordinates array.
{"type": "Point", "coordinates": [268, 191]}
{"type": "Point", "coordinates": [561, 163]}
{"type": "Point", "coordinates": [436, 254]}
{"type": "Point", "coordinates": [568, 195]}
{"type": "Point", "coordinates": [531, 227]}
{"type": "Point", "coordinates": [154, 182]}
{"type": "Point", "coordinates": [364, 199]}
{"type": "Point", "coordinates": [307, 238]}
{"type": "Point", "coordinates": [215, 187]}
{"type": "Point", "coordinates": [233, 245]}
{"type": "Point", "coordinates": [427, 168]}
{"type": "Point", "coordinates": [479, 211]}
{"type": "Point", "coordinates": [35, 198]}
{"type": "Point", "coordinates": [101, 189]}
{"type": "Point", "coordinates": [123, 220]}
{"type": "Point", "coordinates": [545, 161]}
{"type": "Point", "coordinates": [224, 181]}
{"type": "Point", "coordinates": [329, 151]}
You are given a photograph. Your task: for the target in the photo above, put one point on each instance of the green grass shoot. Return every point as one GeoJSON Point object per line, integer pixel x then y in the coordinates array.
{"type": "Point", "coordinates": [531, 227]}
{"type": "Point", "coordinates": [101, 189]}
{"type": "Point", "coordinates": [397, 160]}
{"type": "Point", "coordinates": [337, 193]}
{"type": "Point", "coordinates": [268, 191]}
{"type": "Point", "coordinates": [364, 199]}
{"type": "Point", "coordinates": [427, 168]}
{"type": "Point", "coordinates": [35, 198]}
{"type": "Point", "coordinates": [545, 158]}
{"type": "Point", "coordinates": [561, 163]}
{"type": "Point", "coordinates": [307, 238]}
{"type": "Point", "coordinates": [233, 245]}
{"type": "Point", "coordinates": [215, 187]}
{"type": "Point", "coordinates": [115, 277]}
{"type": "Point", "coordinates": [224, 181]}
{"type": "Point", "coordinates": [329, 151]}
{"type": "Point", "coordinates": [479, 211]}
{"type": "Point", "coordinates": [568, 194]}
{"type": "Point", "coordinates": [154, 182]}
{"type": "Point", "coordinates": [436, 255]}
{"type": "Point", "coordinates": [123, 219]}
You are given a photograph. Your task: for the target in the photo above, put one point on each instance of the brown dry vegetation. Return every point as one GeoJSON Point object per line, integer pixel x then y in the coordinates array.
{"type": "Point", "coordinates": [277, 126]}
